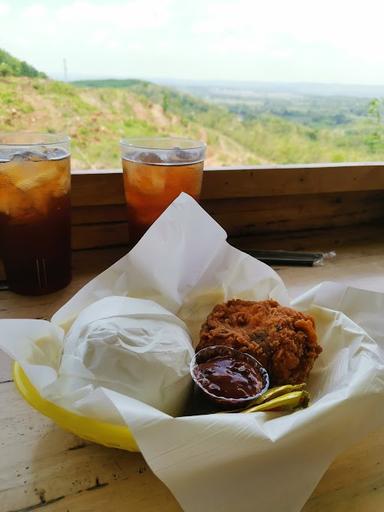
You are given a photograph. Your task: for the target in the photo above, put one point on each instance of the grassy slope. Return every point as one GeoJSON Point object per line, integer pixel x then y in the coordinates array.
{"type": "Point", "coordinates": [271, 138]}
{"type": "Point", "coordinates": [97, 117]}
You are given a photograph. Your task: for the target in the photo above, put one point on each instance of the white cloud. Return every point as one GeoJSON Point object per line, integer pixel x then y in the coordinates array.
{"type": "Point", "coordinates": [125, 16]}
{"type": "Point", "coordinates": [331, 40]}
{"type": "Point", "coordinates": [354, 26]}
{"type": "Point", "coordinates": [34, 12]}
{"type": "Point", "coordinates": [4, 9]}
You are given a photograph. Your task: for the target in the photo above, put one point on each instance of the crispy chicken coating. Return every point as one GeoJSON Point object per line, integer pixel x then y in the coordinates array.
{"type": "Point", "coordinates": [282, 339]}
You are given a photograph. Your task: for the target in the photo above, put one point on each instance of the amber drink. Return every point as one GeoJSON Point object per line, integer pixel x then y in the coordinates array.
{"type": "Point", "coordinates": [35, 228]}
{"type": "Point", "coordinates": [156, 171]}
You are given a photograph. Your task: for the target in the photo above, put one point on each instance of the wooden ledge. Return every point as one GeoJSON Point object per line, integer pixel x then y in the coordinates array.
{"type": "Point", "coordinates": [106, 187]}
{"type": "Point", "coordinates": [245, 201]}
{"type": "Point", "coordinates": [292, 180]}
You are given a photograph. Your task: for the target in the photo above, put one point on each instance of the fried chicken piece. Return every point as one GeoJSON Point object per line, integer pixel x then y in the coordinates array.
{"type": "Point", "coordinates": [282, 339]}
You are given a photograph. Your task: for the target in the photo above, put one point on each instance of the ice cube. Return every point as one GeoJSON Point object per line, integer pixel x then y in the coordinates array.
{"type": "Point", "coordinates": [13, 201]}
{"type": "Point", "coordinates": [16, 157]}
{"type": "Point", "coordinates": [184, 156]}
{"type": "Point", "coordinates": [6, 154]}
{"type": "Point", "coordinates": [61, 182]}
{"type": "Point", "coordinates": [149, 183]}
{"type": "Point", "coordinates": [27, 174]}
{"type": "Point", "coordinates": [30, 156]}
{"type": "Point", "coordinates": [148, 158]}
{"type": "Point", "coordinates": [56, 154]}
{"type": "Point", "coordinates": [53, 181]}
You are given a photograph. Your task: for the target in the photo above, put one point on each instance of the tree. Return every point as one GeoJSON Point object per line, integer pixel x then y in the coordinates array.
{"type": "Point", "coordinates": [375, 139]}
{"type": "Point", "coordinates": [5, 69]}
{"type": "Point", "coordinates": [9, 65]}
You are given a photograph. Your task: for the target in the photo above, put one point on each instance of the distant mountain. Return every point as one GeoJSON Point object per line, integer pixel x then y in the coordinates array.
{"type": "Point", "coordinates": [110, 82]}
{"type": "Point", "coordinates": [10, 66]}
{"type": "Point", "coordinates": [242, 88]}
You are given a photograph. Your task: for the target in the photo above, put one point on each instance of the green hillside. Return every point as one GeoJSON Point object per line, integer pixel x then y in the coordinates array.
{"type": "Point", "coordinates": [313, 129]}
{"type": "Point", "coordinates": [96, 118]}
{"type": "Point", "coordinates": [96, 114]}
{"type": "Point", "coordinates": [10, 66]}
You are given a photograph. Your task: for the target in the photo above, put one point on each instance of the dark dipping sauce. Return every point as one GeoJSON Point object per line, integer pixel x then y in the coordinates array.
{"type": "Point", "coordinates": [226, 377]}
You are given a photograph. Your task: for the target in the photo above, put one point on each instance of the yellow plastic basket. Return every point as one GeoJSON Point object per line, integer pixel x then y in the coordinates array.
{"type": "Point", "coordinates": [107, 434]}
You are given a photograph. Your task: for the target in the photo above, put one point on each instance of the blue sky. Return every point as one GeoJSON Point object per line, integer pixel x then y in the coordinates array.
{"type": "Point", "coordinates": [270, 40]}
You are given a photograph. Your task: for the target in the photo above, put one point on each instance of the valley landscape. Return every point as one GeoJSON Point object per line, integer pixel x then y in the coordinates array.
{"type": "Point", "coordinates": [242, 123]}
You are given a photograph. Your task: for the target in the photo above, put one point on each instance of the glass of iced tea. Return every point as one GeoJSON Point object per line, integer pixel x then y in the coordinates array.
{"type": "Point", "coordinates": [156, 170]}
{"type": "Point", "coordinates": [35, 226]}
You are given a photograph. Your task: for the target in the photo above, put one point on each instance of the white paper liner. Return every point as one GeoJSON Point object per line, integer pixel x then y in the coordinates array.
{"type": "Point", "coordinates": [226, 462]}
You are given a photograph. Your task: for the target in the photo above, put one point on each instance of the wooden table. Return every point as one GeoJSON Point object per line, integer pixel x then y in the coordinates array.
{"type": "Point", "coordinates": [41, 466]}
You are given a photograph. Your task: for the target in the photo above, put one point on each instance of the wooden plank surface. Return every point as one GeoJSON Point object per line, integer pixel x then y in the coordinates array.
{"type": "Point", "coordinates": [292, 180]}
{"type": "Point", "coordinates": [283, 208]}
{"type": "Point", "coordinates": [244, 201]}
{"type": "Point", "coordinates": [295, 212]}
{"type": "Point", "coordinates": [90, 188]}
{"type": "Point", "coordinates": [42, 466]}
{"type": "Point", "coordinates": [106, 225]}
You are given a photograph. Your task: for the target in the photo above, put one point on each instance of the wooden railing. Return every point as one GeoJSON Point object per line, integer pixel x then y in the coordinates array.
{"type": "Point", "coordinates": [247, 200]}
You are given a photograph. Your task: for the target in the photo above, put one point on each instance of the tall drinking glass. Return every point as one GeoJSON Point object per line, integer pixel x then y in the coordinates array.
{"type": "Point", "coordinates": [156, 170]}
{"type": "Point", "coordinates": [35, 225]}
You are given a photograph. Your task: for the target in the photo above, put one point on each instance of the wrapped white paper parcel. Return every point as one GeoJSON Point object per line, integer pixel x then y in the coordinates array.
{"type": "Point", "coordinates": [132, 346]}
{"type": "Point", "coordinates": [264, 461]}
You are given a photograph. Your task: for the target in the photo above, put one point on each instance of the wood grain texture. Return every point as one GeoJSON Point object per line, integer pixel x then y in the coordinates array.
{"type": "Point", "coordinates": [351, 238]}
{"type": "Point", "coordinates": [292, 180]}
{"type": "Point", "coordinates": [90, 188]}
{"type": "Point", "coordinates": [99, 226]}
{"type": "Point", "coordinates": [99, 214]}
{"type": "Point", "coordinates": [244, 201]}
{"type": "Point", "coordinates": [354, 482]}
{"type": "Point", "coordinates": [90, 236]}
{"type": "Point", "coordinates": [43, 467]}
{"type": "Point", "coordinates": [263, 208]}
{"type": "Point", "coordinates": [295, 212]}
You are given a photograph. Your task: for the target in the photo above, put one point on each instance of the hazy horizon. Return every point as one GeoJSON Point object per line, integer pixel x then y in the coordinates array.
{"type": "Point", "coordinates": [209, 81]}
{"type": "Point", "coordinates": [208, 88]}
